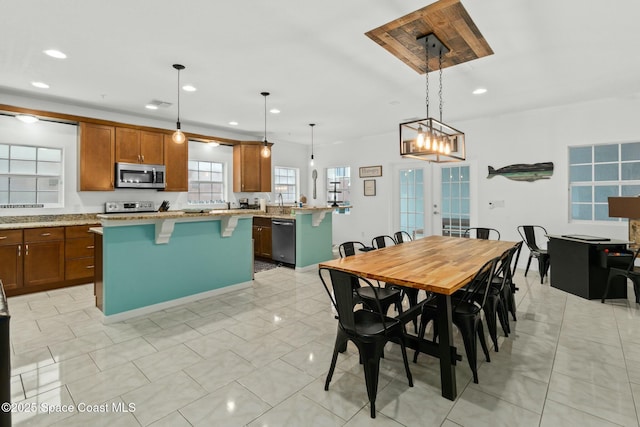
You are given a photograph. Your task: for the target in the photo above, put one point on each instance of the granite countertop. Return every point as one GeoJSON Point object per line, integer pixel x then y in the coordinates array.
{"type": "Point", "coordinates": [39, 221]}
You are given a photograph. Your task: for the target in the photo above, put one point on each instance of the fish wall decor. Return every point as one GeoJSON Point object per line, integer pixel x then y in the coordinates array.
{"type": "Point", "coordinates": [524, 172]}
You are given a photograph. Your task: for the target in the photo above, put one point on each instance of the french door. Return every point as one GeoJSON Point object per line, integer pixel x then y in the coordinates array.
{"type": "Point", "coordinates": [434, 199]}
{"type": "Point", "coordinates": [412, 202]}
{"type": "Point", "coordinates": [452, 199]}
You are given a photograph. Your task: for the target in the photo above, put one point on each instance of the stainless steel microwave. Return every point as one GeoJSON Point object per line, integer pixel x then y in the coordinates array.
{"type": "Point", "coordinates": [133, 175]}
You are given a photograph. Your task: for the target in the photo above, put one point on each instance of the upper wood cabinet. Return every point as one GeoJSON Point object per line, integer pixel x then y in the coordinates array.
{"type": "Point", "coordinates": [96, 147]}
{"type": "Point", "coordinates": [251, 171]}
{"type": "Point", "coordinates": [176, 158]}
{"type": "Point", "coordinates": [136, 146]}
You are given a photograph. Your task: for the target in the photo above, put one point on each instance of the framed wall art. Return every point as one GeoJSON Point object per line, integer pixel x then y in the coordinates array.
{"type": "Point", "coordinates": [370, 171]}
{"type": "Point", "coordinates": [369, 187]}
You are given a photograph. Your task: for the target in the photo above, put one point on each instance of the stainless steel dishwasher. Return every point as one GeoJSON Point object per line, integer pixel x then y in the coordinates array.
{"type": "Point", "coordinates": [283, 241]}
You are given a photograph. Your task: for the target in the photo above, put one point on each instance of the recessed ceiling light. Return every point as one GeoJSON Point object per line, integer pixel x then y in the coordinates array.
{"type": "Point", "coordinates": [189, 88]}
{"type": "Point", "coordinates": [479, 91]}
{"type": "Point", "coordinates": [40, 85]}
{"type": "Point", "coordinates": [233, 123]}
{"type": "Point", "coordinates": [55, 54]}
{"type": "Point", "coordinates": [26, 118]}
{"type": "Point", "coordinates": [274, 111]}
{"type": "Point", "coordinates": [151, 107]}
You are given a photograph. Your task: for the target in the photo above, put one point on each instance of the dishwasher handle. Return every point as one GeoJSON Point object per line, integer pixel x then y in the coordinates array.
{"type": "Point", "coordinates": [274, 222]}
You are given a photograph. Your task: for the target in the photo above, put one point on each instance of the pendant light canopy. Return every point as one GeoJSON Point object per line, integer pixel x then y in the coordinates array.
{"type": "Point", "coordinates": [266, 151]}
{"type": "Point", "coordinates": [178, 136]}
{"type": "Point", "coordinates": [311, 125]}
{"type": "Point", "coordinates": [430, 139]}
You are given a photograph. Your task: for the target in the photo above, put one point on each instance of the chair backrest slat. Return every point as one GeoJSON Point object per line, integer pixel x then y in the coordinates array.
{"type": "Point", "coordinates": [482, 233]}
{"type": "Point", "coordinates": [344, 290]}
{"type": "Point", "coordinates": [401, 237]}
{"type": "Point", "coordinates": [478, 288]}
{"type": "Point", "coordinates": [380, 242]}
{"type": "Point", "coordinates": [349, 248]}
{"type": "Point", "coordinates": [528, 234]}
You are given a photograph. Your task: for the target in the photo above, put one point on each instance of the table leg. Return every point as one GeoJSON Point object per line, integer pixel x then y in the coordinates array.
{"type": "Point", "coordinates": [445, 333]}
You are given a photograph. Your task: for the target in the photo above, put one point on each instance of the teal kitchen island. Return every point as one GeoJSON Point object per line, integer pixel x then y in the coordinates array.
{"type": "Point", "coordinates": [153, 261]}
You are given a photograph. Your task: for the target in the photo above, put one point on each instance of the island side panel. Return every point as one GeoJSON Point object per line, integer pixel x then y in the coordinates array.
{"type": "Point", "coordinates": [313, 244]}
{"type": "Point", "coordinates": [138, 272]}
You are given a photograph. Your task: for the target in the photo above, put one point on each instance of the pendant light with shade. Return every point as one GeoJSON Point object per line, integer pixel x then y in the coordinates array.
{"type": "Point", "coordinates": [266, 151]}
{"type": "Point", "coordinates": [430, 139]}
{"type": "Point", "coordinates": [311, 125]}
{"type": "Point", "coordinates": [178, 136]}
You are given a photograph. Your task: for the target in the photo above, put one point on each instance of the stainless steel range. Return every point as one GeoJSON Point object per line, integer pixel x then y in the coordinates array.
{"type": "Point", "coordinates": [128, 207]}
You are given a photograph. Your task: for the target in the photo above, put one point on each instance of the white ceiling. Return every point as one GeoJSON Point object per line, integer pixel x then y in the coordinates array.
{"type": "Point", "coordinates": [314, 59]}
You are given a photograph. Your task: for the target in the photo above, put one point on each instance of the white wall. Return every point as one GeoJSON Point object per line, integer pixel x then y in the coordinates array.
{"type": "Point", "coordinates": [521, 137]}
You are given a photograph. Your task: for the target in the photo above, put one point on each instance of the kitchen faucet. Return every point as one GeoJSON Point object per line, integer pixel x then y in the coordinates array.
{"type": "Point", "coordinates": [281, 202]}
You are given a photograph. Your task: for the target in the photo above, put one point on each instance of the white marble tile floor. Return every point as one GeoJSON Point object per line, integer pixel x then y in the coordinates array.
{"type": "Point", "coordinates": [259, 357]}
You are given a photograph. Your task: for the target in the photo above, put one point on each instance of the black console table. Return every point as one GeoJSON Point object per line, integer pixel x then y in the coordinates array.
{"type": "Point", "coordinates": [580, 265]}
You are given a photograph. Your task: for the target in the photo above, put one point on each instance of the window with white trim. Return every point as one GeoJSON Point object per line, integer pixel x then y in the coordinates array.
{"type": "Point", "coordinates": [285, 181]}
{"type": "Point", "coordinates": [30, 176]}
{"type": "Point", "coordinates": [597, 172]}
{"type": "Point", "coordinates": [206, 182]}
{"type": "Point", "coordinates": [338, 185]}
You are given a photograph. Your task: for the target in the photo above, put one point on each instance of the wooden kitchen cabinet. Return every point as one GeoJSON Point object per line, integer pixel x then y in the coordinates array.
{"type": "Point", "coordinates": [176, 161]}
{"type": "Point", "coordinates": [79, 249]}
{"type": "Point", "coordinates": [43, 256]}
{"type": "Point", "coordinates": [262, 237]}
{"type": "Point", "coordinates": [251, 171]}
{"type": "Point", "coordinates": [136, 146]}
{"type": "Point", "coordinates": [11, 256]}
{"type": "Point", "coordinates": [96, 154]}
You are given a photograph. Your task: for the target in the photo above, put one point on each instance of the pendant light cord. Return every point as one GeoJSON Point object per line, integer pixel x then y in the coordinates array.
{"type": "Point", "coordinates": [178, 95]}
{"type": "Point", "coordinates": [426, 72]}
{"type": "Point", "coordinates": [265, 119]}
{"type": "Point", "coordinates": [440, 93]}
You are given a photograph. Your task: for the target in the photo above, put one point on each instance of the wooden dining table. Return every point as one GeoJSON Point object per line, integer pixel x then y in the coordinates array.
{"type": "Point", "coordinates": [437, 264]}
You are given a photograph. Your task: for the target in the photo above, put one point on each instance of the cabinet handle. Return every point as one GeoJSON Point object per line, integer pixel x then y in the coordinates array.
{"type": "Point", "coordinates": [142, 157]}
{"type": "Point", "coordinates": [19, 250]}
{"type": "Point", "coordinates": [89, 266]}
{"type": "Point", "coordinates": [26, 249]}
{"type": "Point", "coordinates": [45, 234]}
{"type": "Point", "coordinates": [90, 247]}
{"type": "Point", "coordinates": [3, 237]}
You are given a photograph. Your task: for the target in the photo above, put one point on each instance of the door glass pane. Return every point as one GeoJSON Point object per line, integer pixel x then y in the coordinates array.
{"type": "Point", "coordinates": [412, 202]}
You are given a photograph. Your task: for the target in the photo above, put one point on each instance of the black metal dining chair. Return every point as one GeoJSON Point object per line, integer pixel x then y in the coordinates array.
{"type": "Point", "coordinates": [382, 241]}
{"type": "Point", "coordinates": [482, 233]}
{"type": "Point", "coordinates": [466, 306]}
{"type": "Point", "coordinates": [401, 237]}
{"type": "Point", "coordinates": [631, 272]}
{"type": "Point", "coordinates": [369, 330]}
{"type": "Point", "coordinates": [528, 234]}
{"type": "Point", "coordinates": [387, 296]}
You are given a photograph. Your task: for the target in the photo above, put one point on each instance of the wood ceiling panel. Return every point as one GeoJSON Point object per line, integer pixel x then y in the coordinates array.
{"type": "Point", "coordinates": [448, 20]}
